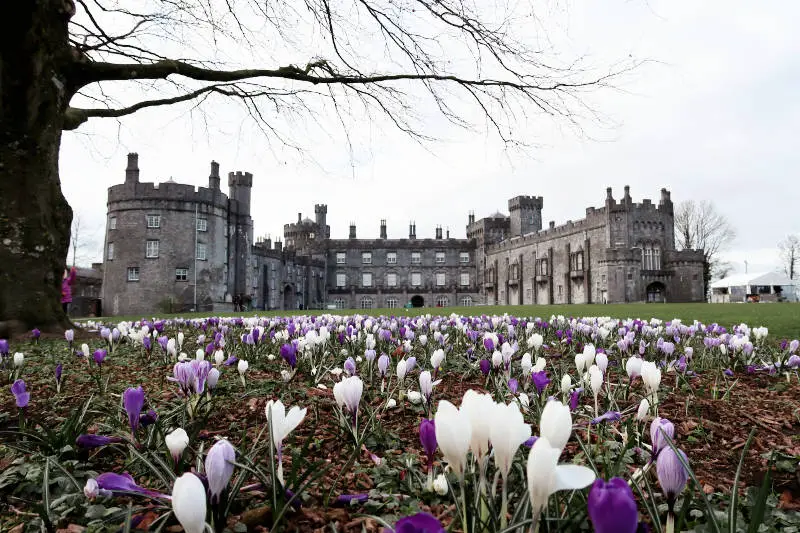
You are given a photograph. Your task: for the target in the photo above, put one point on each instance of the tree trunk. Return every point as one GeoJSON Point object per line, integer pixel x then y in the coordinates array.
{"type": "Point", "coordinates": [35, 57]}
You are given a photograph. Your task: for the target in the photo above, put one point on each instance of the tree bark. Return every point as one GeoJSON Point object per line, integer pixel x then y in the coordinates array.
{"type": "Point", "coordinates": [35, 58]}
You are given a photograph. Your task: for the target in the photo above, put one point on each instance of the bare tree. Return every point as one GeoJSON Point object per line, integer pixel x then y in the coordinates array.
{"type": "Point", "coordinates": [698, 226]}
{"type": "Point", "coordinates": [790, 252]}
{"type": "Point", "coordinates": [82, 241]}
{"type": "Point", "coordinates": [61, 59]}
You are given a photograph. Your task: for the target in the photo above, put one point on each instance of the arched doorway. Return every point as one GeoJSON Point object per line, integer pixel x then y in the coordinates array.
{"type": "Point", "coordinates": [417, 301]}
{"type": "Point", "coordinates": [287, 297]}
{"type": "Point", "coordinates": [656, 292]}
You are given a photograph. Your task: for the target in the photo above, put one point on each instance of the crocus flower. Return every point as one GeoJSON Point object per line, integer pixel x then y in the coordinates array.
{"type": "Point", "coordinates": [453, 434]}
{"type": "Point", "coordinates": [556, 424]}
{"type": "Point", "coordinates": [610, 416]}
{"type": "Point", "coordinates": [289, 354]}
{"type": "Point", "coordinates": [348, 394]}
{"type": "Point", "coordinates": [485, 366]}
{"type": "Point", "coordinates": [59, 373]}
{"type": "Point", "coordinates": [427, 436]}
{"type": "Point", "coordinates": [176, 441]}
{"type": "Point", "coordinates": [419, 523]}
{"type": "Point", "coordinates": [383, 364]}
{"type": "Point", "coordinates": [508, 431]}
{"type": "Point", "coordinates": [349, 499]}
{"type": "Point", "coordinates": [658, 429]}
{"type": "Point", "coordinates": [148, 418]}
{"type": "Point", "coordinates": [212, 379]}
{"type": "Point", "coordinates": [88, 442]}
{"type": "Point", "coordinates": [70, 336]}
{"type": "Point", "coordinates": [644, 408]}
{"type": "Point", "coordinates": [282, 423]}
{"type": "Point", "coordinates": [19, 360]}
{"type": "Point", "coordinates": [513, 385]}
{"type": "Point", "coordinates": [99, 356]}
{"type": "Point", "coordinates": [113, 482]}
{"type": "Point", "coordinates": [21, 396]}
{"type": "Point", "coordinates": [426, 385]}
{"type": "Point", "coordinates": [479, 409]}
{"type": "Point", "coordinates": [612, 507]}
{"type": "Point", "coordinates": [672, 475]}
{"type": "Point", "coordinates": [574, 398]}
{"type": "Point", "coordinates": [242, 367]}
{"type": "Point", "coordinates": [133, 401]}
{"type": "Point", "coordinates": [3, 347]}
{"type": "Point", "coordinates": [350, 366]}
{"type": "Point", "coordinates": [35, 333]}
{"type": "Point", "coordinates": [540, 380]}
{"type": "Point", "coordinates": [219, 468]}
{"type": "Point", "coordinates": [189, 503]}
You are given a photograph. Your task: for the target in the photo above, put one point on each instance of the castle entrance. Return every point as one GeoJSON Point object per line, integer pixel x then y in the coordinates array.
{"type": "Point", "coordinates": [656, 292]}
{"type": "Point", "coordinates": [287, 298]}
{"type": "Point", "coordinates": [417, 301]}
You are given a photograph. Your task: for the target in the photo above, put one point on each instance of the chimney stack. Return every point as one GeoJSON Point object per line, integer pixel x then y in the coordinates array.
{"type": "Point", "coordinates": [448, 233]}
{"type": "Point", "coordinates": [627, 197]}
{"type": "Point", "coordinates": [213, 178]}
{"type": "Point", "coordinates": [412, 230]}
{"type": "Point", "coordinates": [132, 171]}
{"type": "Point", "coordinates": [352, 230]}
{"type": "Point", "coordinates": [383, 228]}
{"type": "Point", "coordinates": [471, 217]}
{"type": "Point", "coordinates": [299, 217]}
{"type": "Point", "coordinates": [438, 232]}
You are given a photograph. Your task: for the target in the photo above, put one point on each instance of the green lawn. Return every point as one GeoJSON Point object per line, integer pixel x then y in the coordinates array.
{"type": "Point", "coordinates": [783, 320]}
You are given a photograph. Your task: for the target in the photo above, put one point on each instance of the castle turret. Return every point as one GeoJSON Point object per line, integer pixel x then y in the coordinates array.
{"type": "Point", "coordinates": [240, 184]}
{"type": "Point", "coordinates": [320, 215]}
{"type": "Point", "coordinates": [526, 214]}
{"type": "Point", "coordinates": [132, 170]}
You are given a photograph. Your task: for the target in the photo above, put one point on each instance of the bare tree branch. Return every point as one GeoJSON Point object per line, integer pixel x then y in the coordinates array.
{"type": "Point", "coordinates": [790, 254]}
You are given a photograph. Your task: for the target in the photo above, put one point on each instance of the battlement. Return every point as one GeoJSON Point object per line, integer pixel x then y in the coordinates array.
{"type": "Point", "coordinates": [406, 244]}
{"type": "Point", "coordinates": [646, 205]}
{"type": "Point", "coordinates": [170, 191]}
{"type": "Point", "coordinates": [241, 179]}
{"type": "Point", "coordinates": [321, 209]}
{"type": "Point", "coordinates": [525, 202]}
{"type": "Point", "coordinates": [553, 232]}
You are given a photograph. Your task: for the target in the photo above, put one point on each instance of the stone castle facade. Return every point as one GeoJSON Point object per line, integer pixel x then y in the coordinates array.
{"type": "Point", "coordinates": [172, 247]}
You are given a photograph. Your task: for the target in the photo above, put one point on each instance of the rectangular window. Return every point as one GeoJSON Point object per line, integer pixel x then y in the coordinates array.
{"type": "Point", "coordinates": [153, 221]}
{"type": "Point", "coordinates": [463, 257]}
{"type": "Point", "coordinates": [133, 273]}
{"type": "Point", "coordinates": [181, 274]}
{"type": "Point", "coordinates": [152, 249]}
{"type": "Point", "coordinates": [416, 279]}
{"type": "Point", "coordinates": [543, 267]}
{"type": "Point", "coordinates": [465, 279]}
{"type": "Point", "coordinates": [391, 303]}
{"type": "Point", "coordinates": [391, 258]}
{"type": "Point", "coordinates": [366, 258]}
{"type": "Point", "coordinates": [366, 279]}
{"type": "Point", "coordinates": [391, 279]}
{"type": "Point", "coordinates": [110, 252]}
{"type": "Point", "coordinates": [416, 258]}
{"type": "Point", "coordinates": [440, 279]}
{"type": "Point", "coordinates": [202, 224]}
{"type": "Point", "coordinates": [201, 251]}
{"type": "Point", "coordinates": [341, 258]}
{"type": "Point", "coordinates": [341, 280]}
{"type": "Point", "coordinates": [112, 223]}
{"type": "Point", "coordinates": [440, 257]}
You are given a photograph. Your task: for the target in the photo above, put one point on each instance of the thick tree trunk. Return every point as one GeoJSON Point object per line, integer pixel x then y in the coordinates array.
{"type": "Point", "coordinates": [35, 217]}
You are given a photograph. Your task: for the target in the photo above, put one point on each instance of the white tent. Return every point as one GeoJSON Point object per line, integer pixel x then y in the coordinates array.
{"type": "Point", "coordinates": [755, 287]}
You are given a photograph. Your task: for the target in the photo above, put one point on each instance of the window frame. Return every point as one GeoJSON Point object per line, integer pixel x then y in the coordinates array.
{"type": "Point", "coordinates": [112, 222]}
{"type": "Point", "coordinates": [185, 274]}
{"type": "Point", "coordinates": [204, 256]}
{"type": "Point", "coordinates": [110, 251]}
{"type": "Point", "coordinates": [416, 258]}
{"type": "Point", "coordinates": [342, 256]}
{"type": "Point", "coordinates": [391, 258]}
{"type": "Point", "coordinates": [390, 275]}
{"type": "Point", "coordinates": [202, 224]}
{"type": "Point", "coordinates": [366, 258]}
{"type": "Point", "coordinates": [443, 277]}
{"type": "Point", "coordinates": [463, 257]}
{"type": "Point", "coordinates": [418, 277]}
{"type": "Point", "coordinates": [440, 258]}
{"type": "Point", "coordinates": [148, 253]}
{"type": "Point", "coordinates": [364, 277]}
{"type": "Point", "coordinates": [156, 224]}
{"type": "Point", "coordinates": [343, 277]}
{"type": "Point", "coordinates": [133, 273]}
{"type": "Point", "coordinates": [461, 279]}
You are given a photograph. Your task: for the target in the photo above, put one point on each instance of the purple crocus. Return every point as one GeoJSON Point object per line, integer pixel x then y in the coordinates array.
{"type": "Point", "coordinates": [232, 360]}
{"type": "Point", "coordinates": [150, 417]}
{"type": "Point", "coordinates": [612, 507]}
{"type": "Point", "coordinates": [100, 356]}
{"type": "Point", "coordinates": [672, 475]}
{"type": "Point", "coordinates": [574, 398]}
{"type": "Point", "coordinates": [728, 372]}
{"type": "Point", "coordinates": [610, 416]}
{"type": "Point", "coordinates": [35, 333]}
{"type": "Point", "coordinates": [148, 344]}
{"type": "Point", "coordinates": [219, 468]}
{"type": "Point", "coordinates": [658, 429]}
{"type": "Point", "coordinates": [488, 344]}
{"type": "Point", "coordinates": [411, 362]}
{"type": "Point", "coordinates": [88, 441]}
{"type": "Point", "coordinates": [348, 499]}
{"type": "Point", "coordinates": [59, 373]}
{"type": "Point", "coordinates": [162, 341]}
{"type": "Point", "coordinates": [289, 354]}
{"type": "Point", "coordinates": [419, 523]}
{"type": "Point", "coordinates": [530, 442]}
{"type": "Point", "coordinates": [486, 367]}
{"type": "Point", "coordinates": [427, 436]}
{"type": "Point", "coordinates": [133, 401]}
{"type": "Point", "coordinates": [22, 396]}
{"type": "Point", "coordinates": [513, 385]}
{"type": "Point", "coordinates": [350, 366]}
{"type": "Point", "coordinates": [383, 364]}
{"type": "Point", "coordinates": [123, 483]}
{"type": "Point", "coordinates": [3, 347]}
{"type": "Point", "coordinates": [540, 380]}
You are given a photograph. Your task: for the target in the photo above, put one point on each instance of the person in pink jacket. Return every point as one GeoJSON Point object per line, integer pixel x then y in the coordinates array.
{"type": "Point", "coordinates": [66, 288]}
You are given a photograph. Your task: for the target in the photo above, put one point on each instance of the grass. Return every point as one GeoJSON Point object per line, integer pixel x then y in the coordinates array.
{"type": "Point", "coordinates": [783, 320]}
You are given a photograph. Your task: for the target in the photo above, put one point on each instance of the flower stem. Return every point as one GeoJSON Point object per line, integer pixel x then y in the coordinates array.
{"type": "Point", "coordinates": [463, 504]}
{"type": "Point", "coordinates": [670, 527]}
{"type": "Point", "coordinates": [504, 505]}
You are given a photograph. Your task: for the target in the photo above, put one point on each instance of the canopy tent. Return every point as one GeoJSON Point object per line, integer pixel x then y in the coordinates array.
{"type": "Point", "coordinates": [756, 287]}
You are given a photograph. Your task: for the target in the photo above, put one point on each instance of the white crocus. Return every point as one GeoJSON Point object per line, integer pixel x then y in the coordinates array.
{"type": "Point", "coordinates": [189, 503]}
{"type": "Point", "coordinates": [633, 367]}
{"type": "Point", "coordinates": [281, 424]}
{"type": "Point", "coordinates": [19, 360]}
{"type": "Point", "coordinates": [453, 434]}
{"type": "Point", "coordinates": [508, 431]}
{"type": "Point", "coordinates": [651, 375]}
{"type": "Point", "coordinates": [546, 476]}
{"type": "Point", "coordinates": [540, 364]}
{"type": "Point", "coordinates": [180, 339]}
{"type": "Point", "coordinates": [497, 359]}
{"type": "Point", "coordinates": [595, 379]}
{"type": "Point", "coordinates": [172, 350]}
{"type": "Point", "coordinates": [242, 368]}
{"type": "Point", "coordinates": [588, 354]}
{"type": "Point", "coordinates": [401, 370]}
{"type": "Point", "coordinates": [437, 358]}
{"type": "Point", "coordinates": [479, 409]}
{"type": "Point", "coordinates": [601, 360]}
{"type": "Point", "coordinates": [177, 441]}
{"type": "Point", "coordinates": [526, 364]}
{"type": "Point", "coordinates": [524, 401]}
{"type": "Point", "coordinates": [219, 357]}
{"type": "Point", "coordinates": [426, 385]}
{"type": "Point", "coordinates": [414, 397]}
{"type": "Point", "coordinates": [440, 485]}
{"type": "Point", "coordinates": [566, 384]}
{"type": "Point", "coordinates": [644, 407]}
{"type": "Point", "coordinates": [535, 341]}
{"type": "Point", "coordinates": [200, 355]}
{"type": "Point", "coordinates": [556, 423]}
{"type": "Point", "coordinates": [580, 362]}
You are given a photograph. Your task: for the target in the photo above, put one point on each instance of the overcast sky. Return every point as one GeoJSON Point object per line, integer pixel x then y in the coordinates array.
{"type": "Point", "coordinates": [714, 116]}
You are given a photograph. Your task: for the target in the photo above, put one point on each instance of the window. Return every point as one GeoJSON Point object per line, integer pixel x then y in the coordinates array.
{"type": "Point", "coordinates": [466, 301]}
{"type": "Point", "coordinates": [152, 249]}
{"type": "Point", "coordinates": [366, 303]}
{"type": "Point", "coordinates": [576, 261]}
{"type": "Point", "coordinates": [366, 279]}
{"type": "Point", "coordinates": [341, 258]}
{"type": "Point", "coordinates": [463, 257]}
{"type": "Point", "coordinates": [153, 221]}
{"type": "Point", "coordinates": [366, 258]}
{"type": "Point", "coordinates": [440, 279]}
{"type": "Point", "coordinates": [465, 279]}
{"type": "Point", "coordinates": [201, 251]}
{"type": "Point", "coordinates": [416, 258]}
{"type": "Point", "coordinates": [391, 279]}
{"type": "Point", "coordinates": [416, 279]}
{"type": "Point", "coordinates": [311, 235]}
{"type": "Point", "coordinates": [202, 224]}
{"type": "Point", "coordinates": [110, 251]}
{"type": "Point", "coordinates": [112, 223]}
{"type": "Point", "coordinates": [341, 280]}
{"type": "Point", "coordinates": [133, 273]}
{"type": "Point", "coordinates": [391, 303]}
{"type": "Point", "coordinates": [339, 303]}
{"type": "Point", "coordinates": [543, 267]}
{"type": "Point", "coordinates": [442, 301]}
{"type": "Point", "coordinates": [391, 258]}
{"type": "Point", "coordinates": [181, 274]}
{"type": "Point", "coordinates": [560, 290]}
{"type": "Point", "coordinates": [440, 257]}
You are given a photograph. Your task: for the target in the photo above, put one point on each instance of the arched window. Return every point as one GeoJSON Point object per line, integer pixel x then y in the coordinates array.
{"type": "Point", "coordinates": [656, 258]}
{"type": "Point", "coordinates": [466, 301]}
{"type": "Point", "coordinates": [442, 301]}
{"type": "Point", "coordinates": [391, 303]}
{"type": "Point", "coordinates": [339, 303]}
{"type": "Point", "coordinates": [366, 302]}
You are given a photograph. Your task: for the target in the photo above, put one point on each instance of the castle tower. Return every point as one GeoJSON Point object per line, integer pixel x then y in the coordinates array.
{"type": "Point", "coordinates": [526, 214]}
{"type": "Point", "coordinates": [240, 233]}
{"type": "Point", "coordinates": [320, 216]}
{"type": "Point", "coordinates": [240, 185]}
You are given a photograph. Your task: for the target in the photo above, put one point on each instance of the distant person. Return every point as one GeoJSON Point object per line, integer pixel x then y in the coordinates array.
{"type": "Point", "coordinates": [66, 288]}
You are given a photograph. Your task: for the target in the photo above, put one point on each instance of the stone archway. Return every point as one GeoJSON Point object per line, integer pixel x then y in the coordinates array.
{"type": "Point", "coordinates": [656, 292]}
{"type": "Point", "coordinates": [417, 301]}
{"type": "Point", "coordinates": [288, 302]}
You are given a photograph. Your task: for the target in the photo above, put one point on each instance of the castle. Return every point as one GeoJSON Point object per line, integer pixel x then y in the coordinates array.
{"type": "Point", "coordinates": [174, 247]}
